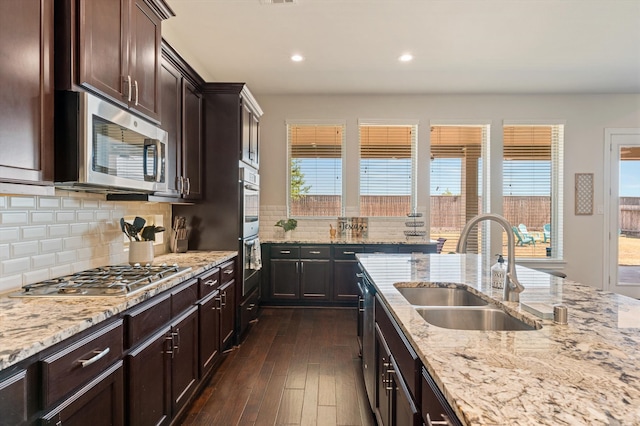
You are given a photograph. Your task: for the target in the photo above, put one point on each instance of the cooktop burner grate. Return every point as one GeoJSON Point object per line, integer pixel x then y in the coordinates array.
{"type": "Point", "coordinates": [115, 280]}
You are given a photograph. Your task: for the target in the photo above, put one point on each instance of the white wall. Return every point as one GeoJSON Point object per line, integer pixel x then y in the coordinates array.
{"type": "Point", "coordinates": [44, 237]}
{"type": "Point", "coordinates": [586, 117]}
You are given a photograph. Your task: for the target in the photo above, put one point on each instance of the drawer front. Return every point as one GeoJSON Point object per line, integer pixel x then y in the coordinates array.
{"type": "Point", "coordinates": [285, 252]}
{"type": "Point", "coordinates": [227, 271]}
{"type": "Point", "coordinates": [417, 248]}
{"type": "Point", "coordinates": [208, 282]}
{"type": "Point", "coordinates": [81, 361]}
{"type": "Point", "coordinates": [143, 320]}
{"type": "Point", "coordinates": [315, 252]}
{"type": "Point", "coordinates": [183, 297]}
{"type": "Point", "coordinates": [380, 248]}
{"type": "Point", "coordinates": [345, 252]}
{"type": "Point", "coordinates": [13, 399]}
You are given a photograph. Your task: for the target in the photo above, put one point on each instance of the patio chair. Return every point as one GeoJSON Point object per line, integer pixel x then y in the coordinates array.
{"type": "Point", "coordinates": [526, 234]}
{"type": "Point", "coordinates": [522, 240]}
{"type": "Point", "coordinates": [440, 244]}
{"type": "Point", "coordinates": [546, 232]}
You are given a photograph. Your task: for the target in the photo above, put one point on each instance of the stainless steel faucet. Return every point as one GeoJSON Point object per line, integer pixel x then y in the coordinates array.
{"type": "Point", "coordinates": [512, 287]}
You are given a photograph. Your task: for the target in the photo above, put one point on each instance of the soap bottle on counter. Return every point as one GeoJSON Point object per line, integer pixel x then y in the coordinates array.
{"type": "Point", "coordinates": [498, 273]}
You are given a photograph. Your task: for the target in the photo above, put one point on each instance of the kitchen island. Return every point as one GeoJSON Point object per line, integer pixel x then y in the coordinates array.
{"type": "Point", "coordinates": [30, 325]}
{"type": "Point", "coordinates": [586, 372]}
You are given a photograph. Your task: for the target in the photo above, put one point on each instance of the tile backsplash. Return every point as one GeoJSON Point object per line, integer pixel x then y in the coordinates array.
{"type": "Point", "coordinates": [380, 229]}
{"type": "Point", "coordinates": [45, 237]}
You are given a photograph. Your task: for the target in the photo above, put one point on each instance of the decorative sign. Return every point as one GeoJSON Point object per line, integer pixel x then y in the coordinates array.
{"type": "Point", "coordinates": [584, 193]}
{"type": "Point", "coordinates": [353, 227]}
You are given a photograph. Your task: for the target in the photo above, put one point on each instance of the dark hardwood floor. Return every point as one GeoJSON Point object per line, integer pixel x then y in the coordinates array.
{"type": "Point", "coordinates": [297, 366]}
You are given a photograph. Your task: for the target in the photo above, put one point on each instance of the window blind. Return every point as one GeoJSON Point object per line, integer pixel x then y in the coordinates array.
{"type": "Point", "coordinates": [387, 169]}
{"type": "Point", "coordinates": [315, 169]}
{"type": "Point", "coordinates": [456, 186]}
{"type": "Point", "coordinates": [532, 190]}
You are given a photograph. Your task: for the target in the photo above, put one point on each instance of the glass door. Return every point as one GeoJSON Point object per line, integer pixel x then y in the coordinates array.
{"type": "Point", "coordinates": [625, 214]}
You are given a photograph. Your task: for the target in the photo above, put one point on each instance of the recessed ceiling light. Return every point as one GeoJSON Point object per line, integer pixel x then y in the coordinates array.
{"type": "Point", "coordinates": [407, 57]}
{"type": "Point", "coordinates": [297, 58]}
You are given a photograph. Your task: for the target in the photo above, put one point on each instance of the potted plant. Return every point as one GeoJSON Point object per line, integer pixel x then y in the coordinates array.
{"type": "Point", "coordinates": [287, 225]}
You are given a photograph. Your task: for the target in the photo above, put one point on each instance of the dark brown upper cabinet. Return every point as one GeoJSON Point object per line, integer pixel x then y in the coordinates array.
{"type": "Point", "coordinates": [112, 47]}
{"type": "Point", "coordinates": [26, 97]}
{"type": "Point", "coordinates": [181, 117]}
{"type": "Point", "coordinates": [236, 120]}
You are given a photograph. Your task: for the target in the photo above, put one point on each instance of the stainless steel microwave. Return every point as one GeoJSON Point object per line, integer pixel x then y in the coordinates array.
{"type": "Point", "coordinates": [102, 147]}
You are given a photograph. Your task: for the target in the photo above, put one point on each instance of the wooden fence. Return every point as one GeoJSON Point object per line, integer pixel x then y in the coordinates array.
{"type": "Point", "coordinates": [447, 211]}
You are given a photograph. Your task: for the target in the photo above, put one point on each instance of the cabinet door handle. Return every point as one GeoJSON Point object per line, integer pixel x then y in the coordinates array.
{"type": "Point", "coordinates": [128, 81]}
{"type": "Point", "coordinates": [135, 85]}
{"type": "Point", "coordinates": [223, 300]}
{"type": "Point", "coordinates": [180, 185]}
{"type": "Point", "coordinates": [188, 185]}
{"type": "Point", "coordinates": [176, 340]}
{"type": "Point", "coordinates": [171, 345]}
{"type": "Point", "coordinates": [211, 283]}
{"type": "Point", "coordinates": [98, 355]}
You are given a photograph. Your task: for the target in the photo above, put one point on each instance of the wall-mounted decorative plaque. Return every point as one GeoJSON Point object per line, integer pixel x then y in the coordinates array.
{"type": "Point", "coordinates": [584, 193]}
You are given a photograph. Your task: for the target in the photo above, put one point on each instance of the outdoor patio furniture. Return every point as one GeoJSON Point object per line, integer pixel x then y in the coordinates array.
{"type": "Point", "coordinates": [526, 234]}
{"type": "Point", "coordinates": [546, 231]}
{"type": "Point", "coordinates": [440, 244]}
{"type": "Point", "coordinates": [521, 240]}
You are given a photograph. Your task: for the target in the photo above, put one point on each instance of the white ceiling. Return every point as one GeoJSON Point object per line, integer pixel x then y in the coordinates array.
{"type": "Point", "coordinates": [460, 46]}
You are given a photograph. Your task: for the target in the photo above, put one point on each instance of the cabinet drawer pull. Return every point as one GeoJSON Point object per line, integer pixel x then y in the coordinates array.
{"type": "Point", "coordinates": [98, 355]}
{"type": "Point", "coordinates": [285, 251]}
{"type": "Point", "coordinates": [228, 271]}
{"type": "Point", "coordinates": [444, 422]}
{"type": "Point", "coordinates": [314, 252]}
{"type": "Point", "coordinates": [359, 275]}
{"type": "Point", "coordinates": [251, 307]}
{"type": "Point", "coordinates": [211, 283]}
{"type": "Point", "coordinates": [348, 252]}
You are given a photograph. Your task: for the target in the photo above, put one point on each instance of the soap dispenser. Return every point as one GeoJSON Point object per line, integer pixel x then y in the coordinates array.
{"type": "Point", "coordinates": [498, 273]}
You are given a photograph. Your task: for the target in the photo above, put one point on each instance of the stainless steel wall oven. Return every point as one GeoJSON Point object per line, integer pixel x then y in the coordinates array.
{"type": "Point", "coordinates": [250, 218]}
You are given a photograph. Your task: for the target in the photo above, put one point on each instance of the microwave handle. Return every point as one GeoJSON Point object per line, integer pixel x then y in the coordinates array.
{"type": "Point", "coordinates": [157, 174]}
{"type": "Point", "coordinates": [159, 156]}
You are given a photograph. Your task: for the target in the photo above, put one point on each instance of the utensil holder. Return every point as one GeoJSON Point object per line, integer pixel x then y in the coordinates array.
{"type": "Point", "coordinates": [141, 252]}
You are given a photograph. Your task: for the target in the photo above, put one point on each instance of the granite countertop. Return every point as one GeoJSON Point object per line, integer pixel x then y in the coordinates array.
{"type": "Point", "coordinates": [30, 325]}
{"type": "Point", "coordinates": [339, 241]}
{"type": "Point", "coordinates": [584, 373]}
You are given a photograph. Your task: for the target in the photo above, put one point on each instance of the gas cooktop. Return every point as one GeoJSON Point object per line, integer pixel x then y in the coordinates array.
{"type": "Point", "coordinates": [115, 280]}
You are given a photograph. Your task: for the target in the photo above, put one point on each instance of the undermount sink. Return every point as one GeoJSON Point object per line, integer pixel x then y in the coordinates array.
{"type": "Point", "coordinates": [483, 319]}
{"type": "Point", "coordinates": [440, 296]}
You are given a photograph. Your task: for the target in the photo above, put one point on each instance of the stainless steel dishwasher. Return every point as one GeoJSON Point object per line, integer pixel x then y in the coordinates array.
{"type": "Point", "coordinates": [368, 336]}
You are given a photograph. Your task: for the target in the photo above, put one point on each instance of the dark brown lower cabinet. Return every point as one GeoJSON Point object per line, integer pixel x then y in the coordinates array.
{"type": "Point", "coordinates": [227, 313]}
{"type": "Point", "coordinates": [149, 399]}
{"type": "Point", "coordinates": [345, 284]}
{"type": "Point", "coordinates": [184, 358]}
{"type": "Point", "coordinates": [101, 401]}
{"type": "Point", "coordinates": [315, 279]}
{"type": "Point", "coordinates": [434, 408]}
{"type": "Point", "coordinates": [163, 371]}
{"type": "Point", "coordinates": [209, 333]}
{"type": "Point", "coordinates": [394, 404]}
{"type": "Point", "coordinates": [13, 399]}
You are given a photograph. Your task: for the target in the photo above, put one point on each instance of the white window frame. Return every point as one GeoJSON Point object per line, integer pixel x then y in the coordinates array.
{"type": "Point", "coordinates": [557, 188]}
{"type": "Point", "coordinates": [415, 123]}
{"type": "Point", "coordinates": [317, 122]}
